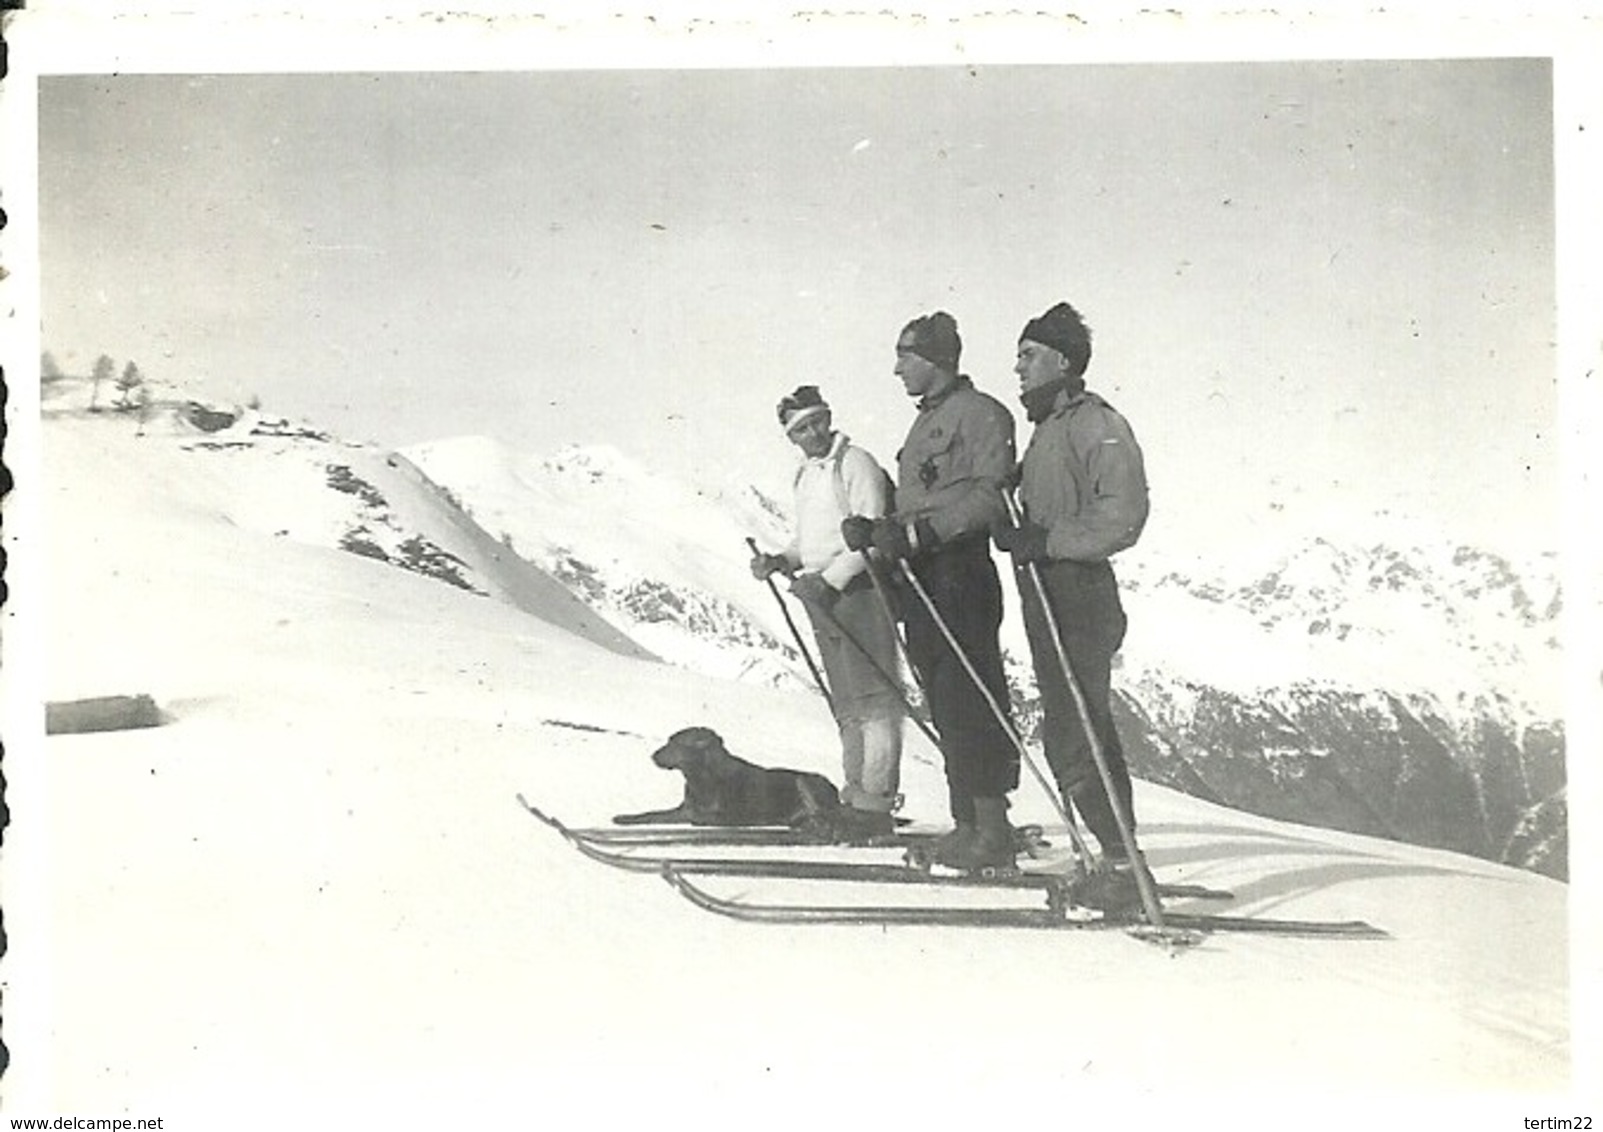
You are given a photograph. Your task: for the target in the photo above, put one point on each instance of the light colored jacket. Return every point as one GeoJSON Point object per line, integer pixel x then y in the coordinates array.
{"type": "Point", "coordinates": [845, 481]}
{"type": "Point", "coordinates": [1084, 480]}
{"type": "Point", "coordinates": [957, 456]}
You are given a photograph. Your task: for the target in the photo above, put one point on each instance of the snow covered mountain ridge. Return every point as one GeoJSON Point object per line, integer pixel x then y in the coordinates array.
{"type": "Point", "coordinates": [1429, 618]}
{"type": "Point", "coordinates": [661, 561]}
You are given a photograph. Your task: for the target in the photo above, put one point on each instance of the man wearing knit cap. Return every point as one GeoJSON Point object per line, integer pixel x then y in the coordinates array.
{"type": "Point", "coordinates": [950, 473]}
{"type": "Point", "coordinates": [1083, 492]}
{"type": "Point", "coordinates": [855, 639]}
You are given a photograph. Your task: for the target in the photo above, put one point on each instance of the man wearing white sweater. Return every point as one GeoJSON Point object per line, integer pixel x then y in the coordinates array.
{"type": "Point", "coordinates": [855, 639]}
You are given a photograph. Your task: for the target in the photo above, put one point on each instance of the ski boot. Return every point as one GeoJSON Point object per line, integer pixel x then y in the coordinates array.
{"type": "Point", "coordinates": [991, 847]}
{"type": "Point", "coordinates": [1111, 890]}
{"type": "Point", "coordinates": [853, 826]}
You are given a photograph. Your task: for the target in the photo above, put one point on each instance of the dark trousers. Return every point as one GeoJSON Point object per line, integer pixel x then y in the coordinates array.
{"type": "Point", "coordinates": [1090, 617]}
{"type": "Point", "coordinates": [961, 580]}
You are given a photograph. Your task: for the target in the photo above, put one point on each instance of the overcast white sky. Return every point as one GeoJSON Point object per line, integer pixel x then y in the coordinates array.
{"type": "Point", "coordinates": [1326, 285]}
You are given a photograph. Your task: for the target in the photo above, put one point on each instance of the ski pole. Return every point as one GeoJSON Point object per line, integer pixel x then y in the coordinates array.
{"type": "Point", "coordinates": [896, 629]}
{"type": "Point", "coordinates": [901, 647]}
{"type": "Point", "coordinates": [784, 609]}
{"type": "Point", "coordinates": [1143, 878]}
{"type": "Point", "coordinates": [894, 684]}
{"type": "Point", "coordinates": [1082, 851]}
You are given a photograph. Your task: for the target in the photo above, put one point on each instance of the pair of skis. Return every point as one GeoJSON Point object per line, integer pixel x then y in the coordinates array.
{"type": "Point", "coordinates": [1064, 907]}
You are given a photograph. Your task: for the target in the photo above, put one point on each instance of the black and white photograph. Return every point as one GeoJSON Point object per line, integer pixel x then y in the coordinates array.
{"type": "Point", "coordinates": [816, 569]}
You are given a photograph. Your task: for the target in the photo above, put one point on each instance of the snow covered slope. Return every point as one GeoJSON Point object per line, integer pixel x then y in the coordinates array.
{"type": "Point", "coordinates": [662, 562]}
{"type": "Point", "coordinates": [312, 895]}
{"type": "Point", "coordinates": [287, 481]}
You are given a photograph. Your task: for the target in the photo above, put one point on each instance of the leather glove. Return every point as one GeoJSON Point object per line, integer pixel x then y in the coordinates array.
{"type": "Point", "coordinates": [765, 565]}
{"type": "Point", "coordinates": [857, 531]}
{"type": "Point", "coordinates": [1026, 542]}
{"type": "Point", "coordinates": [812, 589]}
{"type": "Point", "coordinates": [893, 540]}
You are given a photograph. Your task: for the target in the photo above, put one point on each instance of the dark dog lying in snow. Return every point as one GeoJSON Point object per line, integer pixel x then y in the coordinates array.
{"type": "Point", "coordinates": [721, 789]}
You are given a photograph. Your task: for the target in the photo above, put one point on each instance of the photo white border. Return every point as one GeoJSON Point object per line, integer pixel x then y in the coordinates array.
{"type": "Point", "coordinates": [70, 38]}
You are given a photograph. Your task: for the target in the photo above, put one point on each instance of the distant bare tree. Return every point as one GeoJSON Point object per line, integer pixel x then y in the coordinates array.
{"type": "Point", "coordinates": [103, 371]}
{"type": "Point", "coordinates": [49, 370]}
{"type": "Point", "coordinates": [130, 380]}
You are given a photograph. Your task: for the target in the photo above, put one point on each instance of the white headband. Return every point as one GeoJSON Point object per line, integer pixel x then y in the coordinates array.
{"type": "Point", "coordinates": [801, 416]}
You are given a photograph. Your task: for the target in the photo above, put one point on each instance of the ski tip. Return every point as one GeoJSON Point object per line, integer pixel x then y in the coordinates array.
{"type": "Point", "coordinates": [1291, 929]}
{"type": "Point", "coordinates": [1359, 929]}
{"type": "Point", "coordinates": [1174, 940]}
{"type": "Point", "coordinates": [543, 816]}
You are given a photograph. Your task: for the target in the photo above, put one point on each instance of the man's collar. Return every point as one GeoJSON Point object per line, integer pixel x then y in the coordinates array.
{"type": "Point", "coordinates": [1070, 398]}
{"type": "Point", "coordinates": [930, 400]}
{"type": "Point", "coordinates": [837, 442]}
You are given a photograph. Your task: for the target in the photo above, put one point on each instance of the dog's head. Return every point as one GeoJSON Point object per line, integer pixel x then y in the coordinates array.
{"type": "Point", "coordinates": [687, 749]}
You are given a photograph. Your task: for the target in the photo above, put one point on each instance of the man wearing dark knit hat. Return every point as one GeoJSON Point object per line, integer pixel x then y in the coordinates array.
{"type": "Point", "coordinates": [856, 640]}
{"type": "Point", "coordinates": [950, 471]}
{"type": "Point", "coordinates": [1083, 492]}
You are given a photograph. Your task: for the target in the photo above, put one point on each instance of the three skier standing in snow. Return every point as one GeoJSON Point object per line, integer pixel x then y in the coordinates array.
{"type": "Point", "coordinates": [1082, 497]}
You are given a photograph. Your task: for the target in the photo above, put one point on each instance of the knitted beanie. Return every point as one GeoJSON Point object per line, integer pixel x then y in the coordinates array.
{"type": "Point", "coordinates": [1065, 331]}
{"type": "Point", "coordinates": [934, 338]}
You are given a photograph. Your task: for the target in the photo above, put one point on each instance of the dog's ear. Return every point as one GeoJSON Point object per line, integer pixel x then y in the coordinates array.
{"type": "Point", "coordinates": [717, 760]}
{"type": "Point", "coordinates": [692, 757]}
